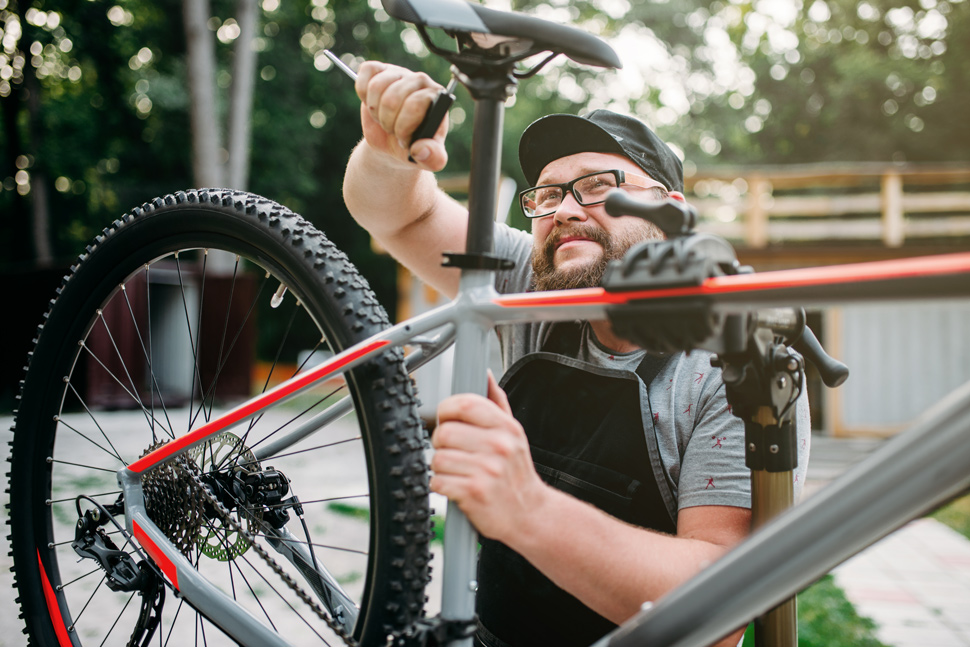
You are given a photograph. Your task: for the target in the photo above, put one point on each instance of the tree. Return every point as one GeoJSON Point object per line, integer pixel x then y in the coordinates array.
{"type": "Point", "coordinates": [753, 81]}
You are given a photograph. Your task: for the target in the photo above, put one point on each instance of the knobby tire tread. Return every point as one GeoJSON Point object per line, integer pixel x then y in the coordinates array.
{"type": "Point", "coordinates": [393, 433]}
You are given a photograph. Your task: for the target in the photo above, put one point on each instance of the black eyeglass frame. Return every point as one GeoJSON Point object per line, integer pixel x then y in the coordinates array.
{"type": "Point", "coordinates": [621, 177]}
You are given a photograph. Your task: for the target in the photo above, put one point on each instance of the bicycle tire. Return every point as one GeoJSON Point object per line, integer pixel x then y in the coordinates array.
{"type": "Point", "coordinates": [54, 435]}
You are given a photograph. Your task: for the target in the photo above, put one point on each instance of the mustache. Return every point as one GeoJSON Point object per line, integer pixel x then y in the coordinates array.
{"type": "Point", "coordinates": [591, 232]}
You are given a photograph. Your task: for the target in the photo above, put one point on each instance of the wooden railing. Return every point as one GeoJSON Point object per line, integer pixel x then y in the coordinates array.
{"type": "Point", "coordinates": [868, 201]}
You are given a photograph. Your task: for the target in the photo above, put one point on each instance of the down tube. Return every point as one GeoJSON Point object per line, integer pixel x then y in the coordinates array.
{"type": "Point", "coordinates": [907, 477]}
{"type": "Point", "coordinates": [460, 562]}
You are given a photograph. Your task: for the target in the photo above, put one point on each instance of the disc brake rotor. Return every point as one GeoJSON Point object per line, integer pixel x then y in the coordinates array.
{"type": "Point", "coordinates": [222, 454]}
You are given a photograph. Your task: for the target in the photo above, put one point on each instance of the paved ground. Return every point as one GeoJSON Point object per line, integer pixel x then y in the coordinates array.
{"type": "Point", "coordinates": [915, 583]}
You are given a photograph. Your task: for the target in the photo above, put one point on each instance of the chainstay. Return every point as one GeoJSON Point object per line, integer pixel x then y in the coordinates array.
{"type": "Point", "coordinates": [231, 524]}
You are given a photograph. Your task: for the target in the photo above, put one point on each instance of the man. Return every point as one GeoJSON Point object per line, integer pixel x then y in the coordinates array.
{"type": "Point", "coordinates": [599, 477]}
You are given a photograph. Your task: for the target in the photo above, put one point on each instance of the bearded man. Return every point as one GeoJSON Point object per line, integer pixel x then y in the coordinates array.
{"type": "Point", "coordinates": [598, 476]}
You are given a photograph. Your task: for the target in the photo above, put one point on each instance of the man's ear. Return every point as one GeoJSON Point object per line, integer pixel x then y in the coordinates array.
{"type": "Point", "coordinates": [677, 195]}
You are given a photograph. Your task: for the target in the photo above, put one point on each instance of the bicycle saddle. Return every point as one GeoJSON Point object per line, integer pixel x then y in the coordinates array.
{"type": "Point", "coordinates": [513, 30]}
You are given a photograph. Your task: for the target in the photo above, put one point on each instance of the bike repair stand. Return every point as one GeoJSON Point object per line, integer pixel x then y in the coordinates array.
{"type": "Point", "coordinates": [763, 381]}
{"type": "Point", "coordinates": [763, 377]}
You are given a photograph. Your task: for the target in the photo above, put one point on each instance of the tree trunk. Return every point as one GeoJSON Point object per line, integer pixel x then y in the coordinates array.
{"type": "Point", "coordinates": [39, 209]}
{"type": "Point", "coordinates": [241, 98]}
{"type": "Point", "coordinates": [201, 61]}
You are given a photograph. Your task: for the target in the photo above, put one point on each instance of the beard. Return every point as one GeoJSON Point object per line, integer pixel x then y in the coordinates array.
{"type": "Point", "coordinates": [545, 274]}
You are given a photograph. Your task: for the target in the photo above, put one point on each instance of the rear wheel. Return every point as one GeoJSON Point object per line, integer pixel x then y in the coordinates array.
{"type": "Point", "coordinates": [152, 334]}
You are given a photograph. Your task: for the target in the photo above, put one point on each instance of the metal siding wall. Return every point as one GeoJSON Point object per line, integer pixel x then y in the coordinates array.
{"type": "Point", "coordinates": [903, 358]}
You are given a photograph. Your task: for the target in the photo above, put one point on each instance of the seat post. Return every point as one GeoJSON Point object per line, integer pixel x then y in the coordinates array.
{"type": "Point", "coordinates": [483, 183]}
{"type": "Point", "coordinates": [489, 87]}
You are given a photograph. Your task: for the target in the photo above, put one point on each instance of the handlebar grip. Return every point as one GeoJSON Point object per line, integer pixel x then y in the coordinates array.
{"type": "Point", "coordinates": [832, 371]}
{"type": "Point", "coordinates": [675, 218]}
{"type": "Point", "coordinates": [433, 118]}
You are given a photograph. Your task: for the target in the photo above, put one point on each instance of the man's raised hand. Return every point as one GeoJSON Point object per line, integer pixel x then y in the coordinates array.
{"type": "Point", "coordinates": [394, 101]}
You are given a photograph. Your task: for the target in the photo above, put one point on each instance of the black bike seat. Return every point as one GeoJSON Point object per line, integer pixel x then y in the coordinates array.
{"type": "Point", "coordinates": [545, 36]}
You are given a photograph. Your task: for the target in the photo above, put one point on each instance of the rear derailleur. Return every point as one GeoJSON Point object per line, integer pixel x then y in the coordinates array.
{"type": "Point", "coordinates": [122, 572]}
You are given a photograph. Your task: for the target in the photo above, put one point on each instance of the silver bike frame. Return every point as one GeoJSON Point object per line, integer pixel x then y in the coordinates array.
{"type": "Point", "coordinates": [921, 468]}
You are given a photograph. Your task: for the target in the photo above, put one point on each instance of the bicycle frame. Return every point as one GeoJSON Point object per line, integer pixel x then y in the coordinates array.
{"type": "Point", "coordinates": [840, 523]}
{"type": "Point", "coordinates": [785, 555]}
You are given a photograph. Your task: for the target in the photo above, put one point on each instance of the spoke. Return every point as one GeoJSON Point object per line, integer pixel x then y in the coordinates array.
{"type": "Point", "coordinates": [87, 467]}
{"type": "Point", "coordinates": [192, 344]}
{"type": "Point", "coordinates": [134, 388]}
{"type": "Point", "coordinates": [134, 397]}
{"type": "Point", "coordinates": [295, 418]}
{"type": "Point", "coordinates": [283, 598]}
{"type": "Point", "coordinates": [78, 578]}
{"type": "Point", "coordinates": [222, 342]}
{"type": "Point", "coordinates": [326, 500]}
{"type": "Point", "coordinates": [151, 355]}
{"type": "Point", "coordinates": [342, 549]}
{"type": "Point", "coordinates": [276, 358]}
{"type": "Point", "coordinates": [115, 623]}
{"type": "Point", "coordinates": [279, 350]}
{"type": "Point", "coordinates": [210, 392]}
{"type": "Point", "coordinates": [112, 454]}
{"type": "Point", "coordinates": [199, 340]}
{"type": "Point", "coordinates": [91, 597]}
{"type": "Point", "coordinates": [251, 591]}
{"type": "Point", "coordinates": [70, 541]}
{"type": "Point", "coordinates": [309, 449]}
{"type": "Point", "coordinates": [148, 357]}
{"type": "Point", "coordinates": [175, 617]}
{"type": "Point", "coordinates": [73, 498]}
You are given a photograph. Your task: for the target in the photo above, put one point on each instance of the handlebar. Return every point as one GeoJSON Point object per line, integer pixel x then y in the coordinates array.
{"type": "Point", "coordinates": [673, 217]}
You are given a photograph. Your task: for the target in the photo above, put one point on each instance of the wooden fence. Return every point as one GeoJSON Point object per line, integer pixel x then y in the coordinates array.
{"type": "Point", "coordinates": [854, 202]}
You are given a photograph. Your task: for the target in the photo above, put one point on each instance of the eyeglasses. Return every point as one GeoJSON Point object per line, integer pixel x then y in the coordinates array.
{"type": "Point", "coordinates": [591, 189]}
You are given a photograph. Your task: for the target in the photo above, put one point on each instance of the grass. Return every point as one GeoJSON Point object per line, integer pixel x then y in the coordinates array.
{"type": "Point", "coordinates": [826, 618]}
{"type": "Point", "coordinates": [956, 515]}
{"type": "Point", "coordinates": [352, 511]}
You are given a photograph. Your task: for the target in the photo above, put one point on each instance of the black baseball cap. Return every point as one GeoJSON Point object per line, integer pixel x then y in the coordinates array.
{"type": "Point", "coordinates": [601, 131]}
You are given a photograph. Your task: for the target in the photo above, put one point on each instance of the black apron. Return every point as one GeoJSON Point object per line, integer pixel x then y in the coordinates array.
{"type": "Point", "coordinates": [586, 432]}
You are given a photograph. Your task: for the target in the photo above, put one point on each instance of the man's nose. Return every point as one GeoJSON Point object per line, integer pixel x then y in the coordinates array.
{"type": "Point", "coordinates": [570, 210]}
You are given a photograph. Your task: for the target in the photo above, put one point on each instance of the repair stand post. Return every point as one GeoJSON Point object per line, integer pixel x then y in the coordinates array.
{"type": "Point", "coordinates": [771, 494]}
{"type": "Point", "coordinates": [763, 380]}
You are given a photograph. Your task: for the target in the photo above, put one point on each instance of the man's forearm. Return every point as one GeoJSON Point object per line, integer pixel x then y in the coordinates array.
{"type": "Point", "coordinates": [403, 209]}
{"type": "Point", "coordinates": [614, 567]}
{"type": "Point", "coordinates": [383, 196]}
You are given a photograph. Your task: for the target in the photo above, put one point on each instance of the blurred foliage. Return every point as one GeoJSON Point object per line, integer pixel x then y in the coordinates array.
{"type": "Point", "coordinates": [956, 514]}
{"type": "Point", "coordinates": [826, 618]}
{"type": "Point", "coordinates": [759, 82]}
{"type": "Point", "coordinates": [94, 102]}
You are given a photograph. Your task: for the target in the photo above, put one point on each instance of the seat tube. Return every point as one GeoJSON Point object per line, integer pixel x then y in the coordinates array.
{"type": "Point", "coordinates": [471, 352]}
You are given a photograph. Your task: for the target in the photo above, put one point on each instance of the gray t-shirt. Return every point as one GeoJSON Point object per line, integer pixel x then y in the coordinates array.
{"type": "Point", "coordinates": [701, 444]}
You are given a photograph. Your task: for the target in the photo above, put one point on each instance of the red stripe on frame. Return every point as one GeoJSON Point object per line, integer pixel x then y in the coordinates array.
{"type": "Point", "coordinates": [924, 266]}
{"type": "Point", "coordinates": [156, 554]}
{"type": "Point", "coordinates": [251, 407]}
{"type": "Point", "coordinates": [63, 639]}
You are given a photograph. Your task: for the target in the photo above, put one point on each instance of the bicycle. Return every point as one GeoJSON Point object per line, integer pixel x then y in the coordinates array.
{"type": "Point", "coordinates": [202, 508]}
